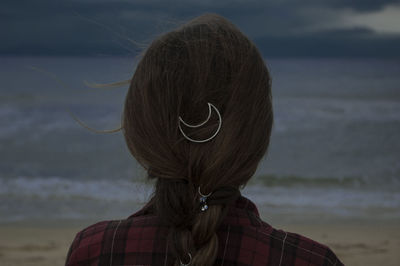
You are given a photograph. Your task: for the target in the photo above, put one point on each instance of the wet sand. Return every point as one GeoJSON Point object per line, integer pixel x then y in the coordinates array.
{"type": "Point", "coordinates": [354, 244]}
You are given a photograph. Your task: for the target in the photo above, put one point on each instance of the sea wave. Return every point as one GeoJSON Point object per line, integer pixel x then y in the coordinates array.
{"type": "Point", "coordinates": [354, 182]}
{"type": "Point", "coordinates": [62, 188]}
{"type": "Point", "coordinates": [25, 198]}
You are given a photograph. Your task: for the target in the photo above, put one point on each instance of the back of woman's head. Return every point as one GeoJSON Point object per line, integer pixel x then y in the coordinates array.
{"type": "Point", "coordinates": [207, 60]}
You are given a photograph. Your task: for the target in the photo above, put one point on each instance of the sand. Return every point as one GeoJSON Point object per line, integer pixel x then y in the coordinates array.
{"type": "Point", "coordinates": [23, 245]}
{"type": "Point", "coordinates": [354, 244]}
{"type": "Point", "coordinates": [357, 245]}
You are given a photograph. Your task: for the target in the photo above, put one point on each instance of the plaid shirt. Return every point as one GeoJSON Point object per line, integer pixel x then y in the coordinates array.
{"type": "Point", "coordinates": [244, 239]}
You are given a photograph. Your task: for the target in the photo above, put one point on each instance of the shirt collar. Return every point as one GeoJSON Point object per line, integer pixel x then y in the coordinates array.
{"type": "Point", "coordinates": [246, 204]}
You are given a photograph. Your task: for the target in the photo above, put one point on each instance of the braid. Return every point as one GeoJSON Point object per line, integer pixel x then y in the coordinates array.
{"type": "Point", "coordinates": [174, 201]}
{"type": "Point", "coordinates": [190, 231]}
{"type": "Point", "coordinates": [205, 237]}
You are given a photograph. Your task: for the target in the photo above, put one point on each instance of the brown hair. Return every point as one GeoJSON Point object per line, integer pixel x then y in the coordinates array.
{"type": "Point", "coordinates": [206, 60]}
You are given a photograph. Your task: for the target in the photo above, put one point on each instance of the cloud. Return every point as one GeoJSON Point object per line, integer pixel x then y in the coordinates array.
{"type": "Point", "coordinates": [385, 21]}
{"type": "Point", "coordinates": [104, 25]}
{"type": "Point", "coordinates": [358, 5]}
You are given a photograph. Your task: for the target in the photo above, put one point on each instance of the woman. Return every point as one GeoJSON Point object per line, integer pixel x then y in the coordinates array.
{"type": "Point", "coordinates": [198, 117]}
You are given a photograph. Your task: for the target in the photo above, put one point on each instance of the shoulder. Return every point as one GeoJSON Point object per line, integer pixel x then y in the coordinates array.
{"type": "Point", "coordinates": [98, 240]}
{"type": "Point", "coordinates": [87, 243]}
{"type": "Point", "coordinates": [289, 248]}
{"type": "Point", "coordinates": [264, 245]}
{"type": "Point", "coordinates": [301, 250]}
{"type": "Point", "coordinates": [252, 241]}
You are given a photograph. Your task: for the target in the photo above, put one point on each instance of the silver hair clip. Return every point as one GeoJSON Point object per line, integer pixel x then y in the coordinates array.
{"type": "Point", "coordinates": [203, 200]}
{"type": "Point", "coordinates": [190, 260]}
{"type": "Point", "coordinates": [202, 123]}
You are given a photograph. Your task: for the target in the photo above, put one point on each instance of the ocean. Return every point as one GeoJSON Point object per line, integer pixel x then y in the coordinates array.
{"type": "Point", "coordinates": [334, 152]}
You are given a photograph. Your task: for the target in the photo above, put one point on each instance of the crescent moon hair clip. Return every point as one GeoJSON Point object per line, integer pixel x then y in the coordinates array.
{"type": "Point", "coordinates": [202, 123]}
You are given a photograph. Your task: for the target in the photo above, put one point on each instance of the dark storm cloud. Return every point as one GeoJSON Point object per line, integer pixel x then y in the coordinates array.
{"type": "Point", "coordinates": [361, 5]}
{"type": "Point", "coordinates": [280, 28]}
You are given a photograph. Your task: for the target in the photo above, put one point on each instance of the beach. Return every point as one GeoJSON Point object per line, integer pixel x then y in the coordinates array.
{"type": "Point", "coordinates": [355, 245]}
{"type": "Point", "coordinates": [331, 172]}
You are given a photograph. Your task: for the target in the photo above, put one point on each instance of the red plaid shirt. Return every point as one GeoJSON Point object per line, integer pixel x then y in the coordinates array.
{"type": "Point", "coordinates": [244, 239]}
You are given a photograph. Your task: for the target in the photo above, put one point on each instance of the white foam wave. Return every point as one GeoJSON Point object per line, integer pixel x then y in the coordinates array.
{"type": "Point", "coordinates": [61, 188]}
{"type": "Point", "coordinates": [125, 190]}
{"type": "Point", "coordinates": [58, 198]}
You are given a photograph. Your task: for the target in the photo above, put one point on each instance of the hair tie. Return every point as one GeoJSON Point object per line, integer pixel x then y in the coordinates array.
{"type": "Point", "coordinates": [220, 196]}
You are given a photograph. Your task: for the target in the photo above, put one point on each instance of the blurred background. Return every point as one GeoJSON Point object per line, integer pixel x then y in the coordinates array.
{"type": "Point", "coordinates": [334, 156]}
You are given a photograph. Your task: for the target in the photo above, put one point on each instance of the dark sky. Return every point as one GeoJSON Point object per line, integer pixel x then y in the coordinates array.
{"type": "Point", "coordinates": [281, 28]}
